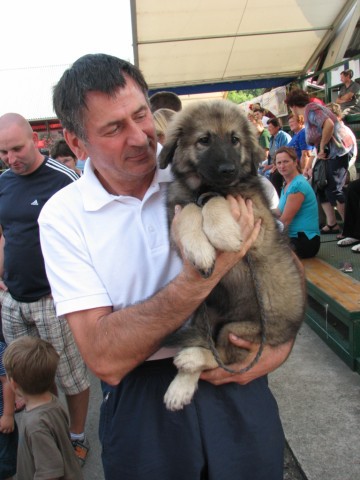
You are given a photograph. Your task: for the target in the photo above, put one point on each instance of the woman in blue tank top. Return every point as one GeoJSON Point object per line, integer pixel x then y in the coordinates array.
{"type": "Point", "coordinates": [298, 209]}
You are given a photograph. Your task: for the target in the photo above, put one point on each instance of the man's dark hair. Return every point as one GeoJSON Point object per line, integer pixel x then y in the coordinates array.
{"type": "Point", "coordinates": [61, 149]}
{"type": "Point", "coordinates": [276, 122]}
{"type": "Point", "coordinates": [297, 98]}
{"type": "Point", "coordinates": [165, 100]}
{"type": "Point", "coordinates": [348, 73]}
{"type": "Point", "coordinates": [91, 73]}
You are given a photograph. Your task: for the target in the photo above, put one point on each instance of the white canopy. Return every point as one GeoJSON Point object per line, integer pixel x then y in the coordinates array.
{"type": "Point", "coordinates": [183, 43]}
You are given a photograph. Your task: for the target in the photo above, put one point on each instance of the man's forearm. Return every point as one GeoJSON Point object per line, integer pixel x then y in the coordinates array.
{"type": "Point", "coordinates": [345, 98]}
{"type": "Point", "coordinates": [114, 343]}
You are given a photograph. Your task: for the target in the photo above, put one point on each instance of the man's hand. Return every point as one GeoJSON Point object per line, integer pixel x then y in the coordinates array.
{"type": "Point", "coordinates": [270, 360]}
{"type": "Point", "coordinates": [3, 286]}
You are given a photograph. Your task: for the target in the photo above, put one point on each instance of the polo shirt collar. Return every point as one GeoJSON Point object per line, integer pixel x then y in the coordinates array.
{"type": "Point", "coordinates": [95, 196]}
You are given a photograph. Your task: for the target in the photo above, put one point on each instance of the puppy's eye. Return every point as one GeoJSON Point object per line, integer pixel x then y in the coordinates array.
{"type": "Point", "coordinates": [235, 140]}
{"type": "Point", "coordinates": [205, 140]}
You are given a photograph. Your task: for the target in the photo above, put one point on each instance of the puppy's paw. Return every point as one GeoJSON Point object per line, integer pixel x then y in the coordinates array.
{"type": "Point", "coordinates": [181, 390]}
{"type": "Point", "coordinates": [195, 244]}
{"type": "Point", "coordinates": [194, 359]}
{"type": "Point", "coordinates": [220, 227]}
{"type": "Point", "coordinates": [202, 255]}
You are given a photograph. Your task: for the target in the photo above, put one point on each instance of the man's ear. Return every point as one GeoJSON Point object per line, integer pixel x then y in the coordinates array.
{"type": "Point", "coordinates": [35, 138]}
{"type": "Point", "coordinates": [76, 145]}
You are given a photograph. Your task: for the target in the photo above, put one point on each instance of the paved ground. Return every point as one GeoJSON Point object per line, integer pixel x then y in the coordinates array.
{"type": "Point", "coordinates": [93, 467]}
{"type": "Point", "coordinates": [292, 470]}
{"type": "Point", "coordinates": [319, 401]}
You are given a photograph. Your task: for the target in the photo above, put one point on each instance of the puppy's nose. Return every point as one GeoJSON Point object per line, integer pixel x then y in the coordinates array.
{"type": "Point", "coordinates": [226, 169]}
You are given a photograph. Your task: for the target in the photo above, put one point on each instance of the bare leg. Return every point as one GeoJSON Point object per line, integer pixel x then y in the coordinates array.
{"type": "Point", "coordinates": [341, 209]}
{"type": "Point", "coordinates": [78, 407]}
{"type": "Point", "coordinates": [330, 213]}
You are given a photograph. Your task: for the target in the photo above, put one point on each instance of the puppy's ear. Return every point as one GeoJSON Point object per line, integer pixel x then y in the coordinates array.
{"type": "Point", "coordinates": [167, 153]}
{"type": "Point", "coordinates": [257, 156]}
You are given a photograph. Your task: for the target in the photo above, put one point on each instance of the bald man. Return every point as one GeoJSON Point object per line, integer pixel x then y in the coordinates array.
{"type": "Point", "coordinates": [25, 295]}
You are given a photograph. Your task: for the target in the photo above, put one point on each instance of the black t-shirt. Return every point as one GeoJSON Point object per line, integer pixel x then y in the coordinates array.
{"type": "Point", "coordinates": [21, 200]}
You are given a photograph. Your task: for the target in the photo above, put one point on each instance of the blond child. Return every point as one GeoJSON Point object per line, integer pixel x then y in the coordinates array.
{"type": "Point", "coordinates": [45, 450]}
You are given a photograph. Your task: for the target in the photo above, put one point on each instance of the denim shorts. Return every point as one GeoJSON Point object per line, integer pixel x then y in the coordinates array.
{"type": "Point", "coordinates": [8, 453]}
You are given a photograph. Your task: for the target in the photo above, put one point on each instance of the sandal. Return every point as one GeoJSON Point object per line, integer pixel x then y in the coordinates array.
{"type": "Point", "coordinates": [340, 236]}
{"type": "Point", "coordinates": [347, 242]}
{"type": "Point", "coordinates": [330, 229]}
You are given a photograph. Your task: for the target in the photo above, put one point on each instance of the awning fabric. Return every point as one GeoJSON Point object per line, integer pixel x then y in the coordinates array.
{"type": "Point", "coordinates": [187, 45]}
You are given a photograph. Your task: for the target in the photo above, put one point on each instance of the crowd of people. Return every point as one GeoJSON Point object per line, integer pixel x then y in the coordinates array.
{"type": "Point", "coordinates": [90, 279]}
{"type": "Point", "coordinates": [320, 136]}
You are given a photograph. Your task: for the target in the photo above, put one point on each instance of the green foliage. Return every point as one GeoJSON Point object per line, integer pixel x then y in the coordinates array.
{"type": "Point", "coordinates": [240, 96]}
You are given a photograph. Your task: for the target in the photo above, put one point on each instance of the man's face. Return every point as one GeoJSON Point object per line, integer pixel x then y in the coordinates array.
{"type": "Point", "coordinates": [121, 138]}
{"type": "Point", "coordinates": [273, 130]}
{"type": "Point", "coordinates": [343, 78]}
{"type": "Point", "coordinates": [18, 149]}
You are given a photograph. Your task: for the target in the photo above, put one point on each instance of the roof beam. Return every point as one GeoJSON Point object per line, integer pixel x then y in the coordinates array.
{"type": "Point", "coordinates": [232, 35]}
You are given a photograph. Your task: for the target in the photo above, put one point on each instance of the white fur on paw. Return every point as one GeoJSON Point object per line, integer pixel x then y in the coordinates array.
{"type": "Point", "coordinates": [194, 359]}
{"type": "Point", "coordinates": [196, 246]}
{"type": "Point", "coordinates": [181, 390]}
{"type": "Point", "coordinates": [226, 240]}
{"type": "Point", "coordinates": [220, 227]}
{"type": "Point", "coordinates": [200, 253]}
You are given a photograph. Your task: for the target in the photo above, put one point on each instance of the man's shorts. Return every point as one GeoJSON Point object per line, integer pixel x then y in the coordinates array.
{"type": "Point", "coordinates": [38, 319]}
{"type": "Point", "coordinates": [228, 432]}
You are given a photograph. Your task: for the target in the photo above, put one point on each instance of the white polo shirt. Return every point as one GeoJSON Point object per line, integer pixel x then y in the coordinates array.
{"type": "Point", "coordinates": [106, 250]}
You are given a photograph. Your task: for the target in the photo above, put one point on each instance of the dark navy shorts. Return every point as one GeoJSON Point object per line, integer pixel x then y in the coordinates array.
{"type": "Point", "coordinates": [8, 453]}
{"type": "Point", "coordinates": [228, 432]}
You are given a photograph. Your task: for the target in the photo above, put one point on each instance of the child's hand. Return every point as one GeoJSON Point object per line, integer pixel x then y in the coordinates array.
{"type": "Point", "coordinates": [7, 423]}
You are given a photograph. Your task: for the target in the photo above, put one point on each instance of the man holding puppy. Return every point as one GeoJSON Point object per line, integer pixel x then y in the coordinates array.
{"type": "Point", "coordinates": [123, 290]}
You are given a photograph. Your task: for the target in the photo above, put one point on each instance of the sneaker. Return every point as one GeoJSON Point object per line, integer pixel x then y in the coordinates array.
{"type": "Point", "coordinates": [356, 249]}
{"type": "Point", "coordinates": [346, 267]}
{"type": "Point", "coordinates": [347, 242]}
{"type": "Point", "coordinates": [81, 448]}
